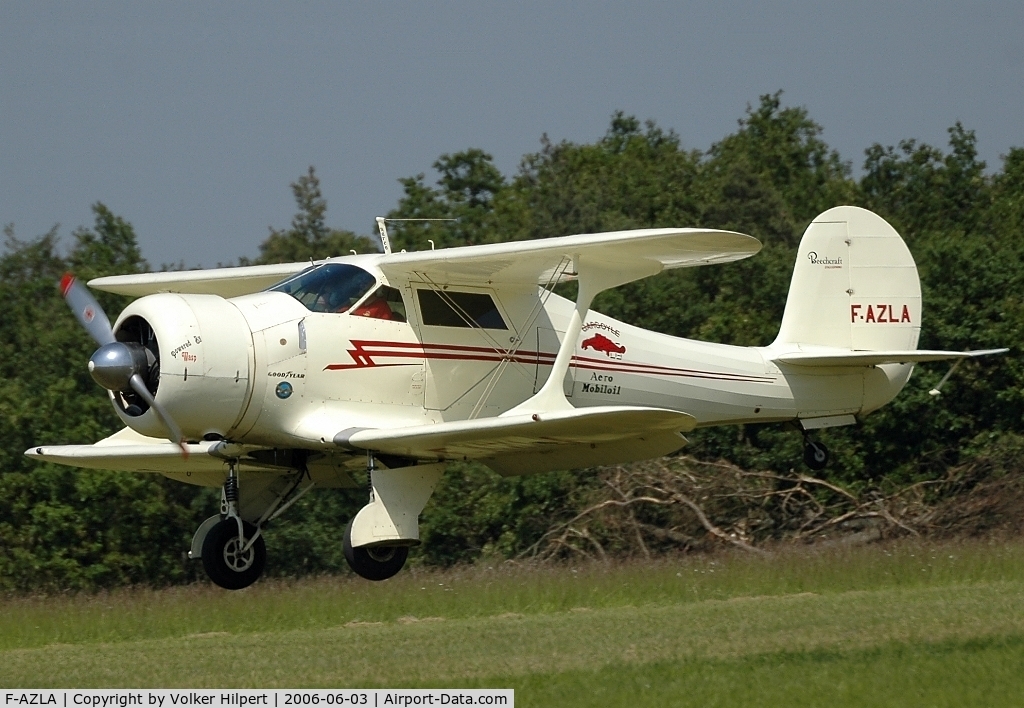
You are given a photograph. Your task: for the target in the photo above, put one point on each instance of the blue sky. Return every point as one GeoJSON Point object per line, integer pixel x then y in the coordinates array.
{"type": "Point", "coordinates": [191, 119]}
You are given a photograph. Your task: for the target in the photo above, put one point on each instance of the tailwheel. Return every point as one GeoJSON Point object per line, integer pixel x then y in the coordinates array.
{"type": "Point", "coordinates": [815, 455]}
{"type": "Point", "coordinates": [226, 559]}
{"type": "Point", "coordinates": [375, 563]}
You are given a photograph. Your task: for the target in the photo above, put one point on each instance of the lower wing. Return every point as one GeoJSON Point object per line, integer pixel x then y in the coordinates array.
{"type": "Point", "coordinates": [205, 465]}
{"type": "Point", "coordinates": [523, 444]}
{"type": "Point", "coordinates": [129, 451]}
{"type": "Point", "coordinates": [510, 445]}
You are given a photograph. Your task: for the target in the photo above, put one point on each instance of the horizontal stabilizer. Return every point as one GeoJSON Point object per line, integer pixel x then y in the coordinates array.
{"type": "Point", "coordinates": [511, 444]}
{"type": "Point", "coordinates": [875, 358]}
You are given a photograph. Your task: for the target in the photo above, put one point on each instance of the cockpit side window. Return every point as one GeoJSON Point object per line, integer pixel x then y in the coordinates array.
{"type": "Point", "coordinates": [331, 287]}
{"type": "Point", "coordinates": [450, 308]}
{"type": "Point", "coordinates": [385, 303]}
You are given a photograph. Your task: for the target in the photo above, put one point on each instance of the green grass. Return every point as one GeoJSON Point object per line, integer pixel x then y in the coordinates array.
{"type": "Point", "coordinates": [908, 624]}
{"type": "Point", "coordinates": [951, 673]}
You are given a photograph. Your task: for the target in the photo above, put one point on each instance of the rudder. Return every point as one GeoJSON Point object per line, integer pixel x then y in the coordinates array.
{"type": "Point", "coordinates": [855, 286]}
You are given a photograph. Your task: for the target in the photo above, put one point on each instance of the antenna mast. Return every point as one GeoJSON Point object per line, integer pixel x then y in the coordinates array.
{"type": "Point", "coordinates": [384, 230]}
{"type": "Point", "coordinates": [383, 234]}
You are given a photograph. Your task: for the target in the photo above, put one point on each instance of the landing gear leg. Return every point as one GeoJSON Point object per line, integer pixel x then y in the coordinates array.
{"type": "Point", "coordinates": [378, 538]}
{"type": "Point", "coordinates": [234, 553]}
{"type": "Point", "coordinates": [815, 454]}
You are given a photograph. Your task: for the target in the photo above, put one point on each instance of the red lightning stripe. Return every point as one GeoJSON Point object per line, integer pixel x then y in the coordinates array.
{"type": "Point", "coordinates": [364, 352]}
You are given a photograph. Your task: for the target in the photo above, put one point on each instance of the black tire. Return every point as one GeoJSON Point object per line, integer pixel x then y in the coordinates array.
{"type": "Point", "coordinates": [222, 562]}
{"type": "Point", "coordinates": [815, 455]}
{"type": "Point", "coordinates": [378, 563]}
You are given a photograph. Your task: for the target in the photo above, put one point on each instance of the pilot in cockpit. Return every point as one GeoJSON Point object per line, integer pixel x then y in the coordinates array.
{"type": "Point", "coordinates": [376, 306]}
{"type": "Point", "coordinates": [335, 287]}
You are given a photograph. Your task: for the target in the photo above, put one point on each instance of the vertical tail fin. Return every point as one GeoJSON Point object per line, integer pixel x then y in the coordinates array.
{"type": "Point", "coordinates": [855, 286]}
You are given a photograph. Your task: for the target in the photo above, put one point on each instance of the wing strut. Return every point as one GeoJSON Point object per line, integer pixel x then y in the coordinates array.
{"type": "Point", "coordinates": [510, 354]}
{"type": "Point", "coordinates": [594, 277]}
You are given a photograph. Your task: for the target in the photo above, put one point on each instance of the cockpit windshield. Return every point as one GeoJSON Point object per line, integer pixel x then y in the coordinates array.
{"type": "Point", "coordinates": [331, 287]}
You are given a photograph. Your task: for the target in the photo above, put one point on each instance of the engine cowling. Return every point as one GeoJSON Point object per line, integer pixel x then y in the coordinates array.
{"type": "Point", "coordinates": [201, 359]}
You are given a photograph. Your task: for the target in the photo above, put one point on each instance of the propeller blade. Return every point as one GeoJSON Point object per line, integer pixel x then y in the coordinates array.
{"type": "Point", "coordinates": [86, 309]}
{"type": "Point", "coordinates": [139, 386]}
{"type": "Point", "coordinates": [116, 363]}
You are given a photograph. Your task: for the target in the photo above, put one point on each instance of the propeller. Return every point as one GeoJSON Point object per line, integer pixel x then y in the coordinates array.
{"type": "Point", "coordinates": [116, 366]}
{"type": "Point", "coordinates": [86, 310]}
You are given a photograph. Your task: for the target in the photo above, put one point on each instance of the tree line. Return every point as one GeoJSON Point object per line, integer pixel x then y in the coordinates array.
{"type": "Point", "coordinates": [62, 528]}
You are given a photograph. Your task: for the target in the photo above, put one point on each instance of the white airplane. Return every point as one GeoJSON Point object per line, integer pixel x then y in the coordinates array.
{"type": "Point", "coordinates": [398, 362]}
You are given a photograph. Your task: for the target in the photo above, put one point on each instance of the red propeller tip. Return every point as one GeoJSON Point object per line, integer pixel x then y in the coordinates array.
{"type": "Point", "coordinates": [65, 283]}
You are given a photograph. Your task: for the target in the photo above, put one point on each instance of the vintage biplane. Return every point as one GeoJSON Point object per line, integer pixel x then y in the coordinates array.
{"type": "Point", "coordinates": [269, 381]}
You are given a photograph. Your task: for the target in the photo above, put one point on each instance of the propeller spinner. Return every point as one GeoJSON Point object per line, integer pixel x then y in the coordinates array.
{"type": "Point", "coordinates": [116, 366]}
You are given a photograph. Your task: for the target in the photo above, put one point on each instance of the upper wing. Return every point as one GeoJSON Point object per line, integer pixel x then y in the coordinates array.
{"type": "Point", "coordinates": [875, 358]}
{"type": "Point", "coordinates": [226, 282]}
{"type": "Point", "coordinates": [641, 250]}
{"type": "Point", "coordinates": [530, 262]}
{"type": "Point", "coordinates": [533, 443]}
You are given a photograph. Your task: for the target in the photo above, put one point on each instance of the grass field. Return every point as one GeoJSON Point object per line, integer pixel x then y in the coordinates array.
{"type": "Point", "coordinates": [906, 624]}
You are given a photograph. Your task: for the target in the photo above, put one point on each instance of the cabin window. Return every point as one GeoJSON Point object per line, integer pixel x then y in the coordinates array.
{"type": "Point", "coordinates": [448, 308]}
{"type": "Point", "coordinates": [331, 287]}
{"type": "Point", "coordinates": [384, 303]}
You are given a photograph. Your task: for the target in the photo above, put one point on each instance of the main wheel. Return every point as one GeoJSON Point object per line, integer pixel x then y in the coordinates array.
{"type": "Point", "coordinates": [815, 455]}
{"type": "Point", "coordinates": [377, 563]}
{"type": "Point", "coordinates": [225, 562]}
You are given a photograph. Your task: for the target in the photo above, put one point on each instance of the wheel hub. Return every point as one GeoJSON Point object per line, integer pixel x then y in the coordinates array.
{"type": "Point", "coordinates": [237, 560]}
{"type": "Point", "coordinates": [381, 554]}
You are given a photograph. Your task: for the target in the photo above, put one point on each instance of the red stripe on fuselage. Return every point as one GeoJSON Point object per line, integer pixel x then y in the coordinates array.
{"type": "Point", "coordinates": [365, 350]}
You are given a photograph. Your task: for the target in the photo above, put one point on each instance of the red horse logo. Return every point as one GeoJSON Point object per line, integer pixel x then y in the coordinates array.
{"type": "Point", "coordinates": [601, 343]}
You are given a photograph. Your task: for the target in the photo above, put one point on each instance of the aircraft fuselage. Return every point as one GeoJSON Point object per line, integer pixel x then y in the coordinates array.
{"type": "Point", "coordinates": [280, 374]}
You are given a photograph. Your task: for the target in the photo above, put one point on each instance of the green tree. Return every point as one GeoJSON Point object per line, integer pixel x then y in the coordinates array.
{"type": "Point", "coordinates": [61, 527]}
{"type": "Point", "coordinates": [633, 177]}
{"type": "Point", "coordinates": [469, 190]}
{"type": "Point", "coordinates": [309, 237]}
{"type": "Point", "coordinates": [475, 513]}
{"type": "Point", "coordinates": [920, 189]}
{"type": "Point", "coordinates": [783, 147]}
